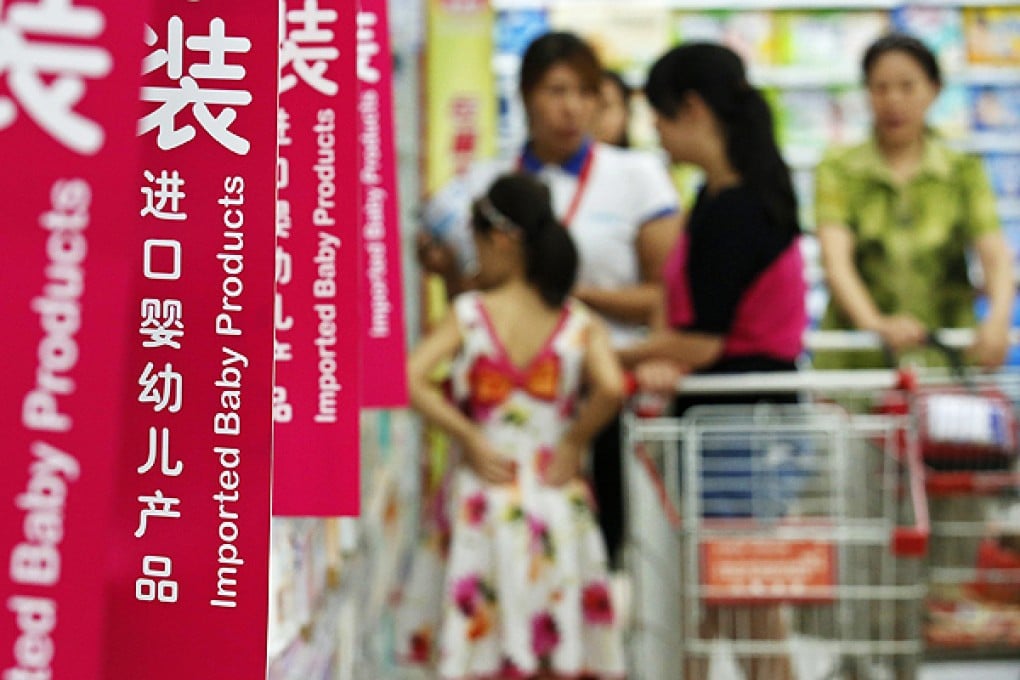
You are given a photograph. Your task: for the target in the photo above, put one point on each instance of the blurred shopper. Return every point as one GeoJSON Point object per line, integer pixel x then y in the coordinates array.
{"type": "Point", "coordinates": [619, 205]}
{"type": "Point", "coordinates": [527, 592]}
{"type": "Point", "coordinates": [612, 121]}
{"type": "Point", "coordinates": [896, 216]}
{"type": "Point", "coordinates": [735, 291]}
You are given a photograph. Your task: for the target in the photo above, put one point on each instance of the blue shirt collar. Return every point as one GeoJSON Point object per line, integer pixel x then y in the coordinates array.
{"type": "Point", "coordinates": [532, 164]}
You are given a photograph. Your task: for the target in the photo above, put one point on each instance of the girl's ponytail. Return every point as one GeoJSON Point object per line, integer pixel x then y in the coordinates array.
{"type": "Point", "coordinates": [550, 257]}
{"type": "Point", "coordinates": [551, 261]}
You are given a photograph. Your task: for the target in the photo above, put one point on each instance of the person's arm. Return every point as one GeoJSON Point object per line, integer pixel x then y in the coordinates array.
{"type": "Point", "coordinates": [636, 304]}
{"type": "Point", "coordinates": [604, 377]}
{"type": "Point", "coordinates": [992, 341]}
{"type": "Point", "coordinates": [985, 233]}
{"type": "Point", "coordinates": [444, 244]}
{"type": "Point", "coordinates": [693, 349]}
{"type": "Point", "coordinates": [899, 331]}
{"type": "Point", "coordinates": [436, 257]}
{"type": "Point", "coordinates": [426, 397]}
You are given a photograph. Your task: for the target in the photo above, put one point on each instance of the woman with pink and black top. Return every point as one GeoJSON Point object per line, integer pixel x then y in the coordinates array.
{"type": "Point", "coordinates": [735, 291]}
{"type": "Point", "coordinates": [734, 283]}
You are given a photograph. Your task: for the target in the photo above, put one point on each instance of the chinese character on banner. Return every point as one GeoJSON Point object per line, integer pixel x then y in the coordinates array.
{"type": "Point", "coordinates": [162, 323]}
{"type": "Point", "coordinates": [46, 59]}
{"type": "Point", "coordinates": [166, 187]}
{"type": "Point", "coordinates": [308, 48]}
{"type": "Point", "coordinates": [161, 451]}
{"type": "Point", "coordinates": [190, 91]}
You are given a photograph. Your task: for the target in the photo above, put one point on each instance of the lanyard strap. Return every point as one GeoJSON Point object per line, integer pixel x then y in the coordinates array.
{"type": "Point", "coordinates": [582, 184]}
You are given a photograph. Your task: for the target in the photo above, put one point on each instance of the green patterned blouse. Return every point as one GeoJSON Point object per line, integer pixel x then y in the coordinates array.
{"type": "Point", "coordinates": [910, 238]}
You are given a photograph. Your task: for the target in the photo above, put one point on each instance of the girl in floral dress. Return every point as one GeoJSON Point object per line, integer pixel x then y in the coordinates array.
{"type": "Point", "coordinates": [526, 592]}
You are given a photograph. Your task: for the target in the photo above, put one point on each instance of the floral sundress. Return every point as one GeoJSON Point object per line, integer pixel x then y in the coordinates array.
{"type": "Point", "coordinates": [527, 585]}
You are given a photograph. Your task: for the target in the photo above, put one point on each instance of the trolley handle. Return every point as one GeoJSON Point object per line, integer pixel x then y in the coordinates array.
{"type": "Point", "coordinates": [912, 541]}
{"type": "Point", "coordinates": [860, 341]}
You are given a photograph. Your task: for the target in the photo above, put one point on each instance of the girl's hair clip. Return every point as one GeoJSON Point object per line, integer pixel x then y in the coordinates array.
{"type": "Point", "coordinates": [494, 217]}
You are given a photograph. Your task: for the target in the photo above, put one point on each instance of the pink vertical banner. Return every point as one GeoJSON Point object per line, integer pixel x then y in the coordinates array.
{"type": "Point", "coordinates": [191, 546]}
{"type": "Point", "coordinates": [383, 349]}
{"type": "Point", "coordinates": [68, 80]}
{"type": "Point", "coordinates": [315, 401]}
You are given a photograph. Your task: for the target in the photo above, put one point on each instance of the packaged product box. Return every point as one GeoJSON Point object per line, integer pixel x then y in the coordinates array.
{"type": "Point", "coordinates": [1004, 173]}
{"type": "Point", "coordinates": [514, 30]}
{"type": "Point", "coordinates": [950, 115]}
{"type": "Point", "coordinates": [750, 34]}
{"type": "Point", "coordinates": [851, 118]}
{"type": "Point", "coordinates": [940, 28]}
{"type": "Point", "coordinates": [995, 108]}
{"type": "Point", "coordinates": [993, 35]}
{"type": "Point", "coordinates": [627, 38]}
{"type": "Point", "coordinates": [804, 118]}
{"type": "Point", "coordinates": [809, 120]}
{"type": "Point", "coordinates": [827, 39]}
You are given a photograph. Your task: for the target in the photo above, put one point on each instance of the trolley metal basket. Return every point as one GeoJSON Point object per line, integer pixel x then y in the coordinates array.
{"type": "Point", "coordinates": [966, 421]}
{"type": "Point", "coordinates": [974, 560]}
{"type": "Point", "coordinates": [788, 539]}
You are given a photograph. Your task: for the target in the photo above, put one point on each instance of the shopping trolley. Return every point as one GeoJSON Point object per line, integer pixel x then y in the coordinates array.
{"type": "Point", "coordinates": [968, 441]}
{"type": "Point", "coordinates": [776, 541]}
{"type": "Point", "coordinates": [974, 559]}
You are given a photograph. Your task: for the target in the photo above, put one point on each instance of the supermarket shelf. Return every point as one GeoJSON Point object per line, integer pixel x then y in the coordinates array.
{"type": "Point", "coordinates": [703, 5]}
{"type": "Point", "coordinates": [805, 77]}
{"type": "Point", "coordinates": [818, 77]}
{"type": "Point", "coordinates": [988, 75]}
{"type": "Point", "coordinates": [807, 157]}
{"type": "Point", "coordinates": [990, 142]}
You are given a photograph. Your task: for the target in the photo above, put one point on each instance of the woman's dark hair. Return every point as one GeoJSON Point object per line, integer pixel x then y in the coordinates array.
{"type": "Point", "coordinates": [550, 257]}
{"type": "Point", "coordinates": [718, 76]}
{"type": "Point", "coordinates": [555, 48]}
{"type": "Point", "coordinates": [626, 92]}
{"type": "Point", "coordinates": [908, 45]}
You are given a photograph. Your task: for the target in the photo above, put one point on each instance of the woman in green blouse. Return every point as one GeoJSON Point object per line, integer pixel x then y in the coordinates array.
{"type": "Point", "coordinates": [896, 215]}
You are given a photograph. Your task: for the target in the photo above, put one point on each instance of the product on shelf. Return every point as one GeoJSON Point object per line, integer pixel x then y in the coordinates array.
{"type": "Point", "coordinates": [749, 34]}
{"type": "Point", "coordinates": [809, 120]}
{"type": "Point", "coordinates": [940, 28]}
{"type": "Point", "coordinates": [995, 109]}
{"type": "Point", "coordinates": [951, 112]}
{"type": "Point", "coordinates": [827, 40]}
{"type": "Point", "coordinates": [627, 38]}
{"type": "Point", "coordinates": [803, 117]}
{"type": "Point", "coordinates": [1004, 173]}
{"type": "Point", "coordinates": [993, 35]}
{"type": "Point", "coordinates": [516, 28]}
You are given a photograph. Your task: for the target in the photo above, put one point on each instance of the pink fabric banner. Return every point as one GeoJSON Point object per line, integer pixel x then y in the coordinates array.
{"type": "Point", "coordinates": [315, 404]}
{"type": "Point", "coordinates": [68, 82]}
{"type": "Point", "coordinates": [383, 348]}
{"type": "Point", "coordinates": [191, 544]}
